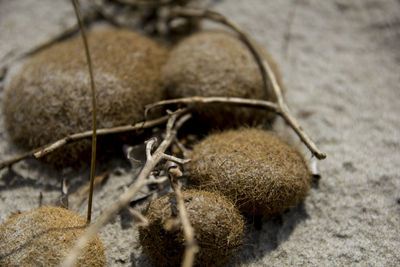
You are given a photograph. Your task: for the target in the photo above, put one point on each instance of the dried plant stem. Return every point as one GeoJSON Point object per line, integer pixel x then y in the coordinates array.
{"type": "Point", "coordinates": [281, 110]}
{"type": "Point", "coordinates": [268, 76]}
{"type": "Point", "coordinates": [124, 200]}
{"type": "Point", "coordinates": [271, 106]}
{"type": "Point", "coordinates": [46, 149]}
{"type": "Point", "coordinates": [191, 247]}
{"type": "Point", "coordinates": [94, 105]}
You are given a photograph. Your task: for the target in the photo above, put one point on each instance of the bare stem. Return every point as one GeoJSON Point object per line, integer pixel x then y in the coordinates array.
{"type": "Point", "coordinates": [281, 110]}
{"type": "Point", "coordinates": [191, 247]}
{"type": "Point", "coordinates": [271, 106]}
{"type": "Point", "coordinates": [268, 76]}
{"type": "Point", "coordinates": [125, 198]}
{"type": "Point", "coordinates": [46, 149]}
{"type": "Point", "coordinates": [94, 105]}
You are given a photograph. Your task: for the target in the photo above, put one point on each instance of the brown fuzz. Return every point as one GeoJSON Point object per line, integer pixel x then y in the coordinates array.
{"type": "Point", "coordinates": [51, 97]}
{"type": "Point", "coordinates": [217, 224]}
{"type": "Point", "coordinates": [216, 63]}
{"type": "Point", "coordinates": [252, 167]}
{"type": "Point", "coordinates": [43, 237]}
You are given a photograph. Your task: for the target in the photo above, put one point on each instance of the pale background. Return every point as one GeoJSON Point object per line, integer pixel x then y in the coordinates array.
{"type": "Point", "coordinates": [341, 67]}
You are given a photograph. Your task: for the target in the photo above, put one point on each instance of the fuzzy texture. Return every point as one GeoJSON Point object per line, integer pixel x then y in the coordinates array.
{"type": "Point", "coordinates": [252, 167]}
{"type": "Point", "coordinates": [51, 97]}
{"type": "Point", "coordinates": [42, 237]}
{"type": "Point", "coordinates": [216, 63]}
{"type": "Point", "coordinates": [217, 224]}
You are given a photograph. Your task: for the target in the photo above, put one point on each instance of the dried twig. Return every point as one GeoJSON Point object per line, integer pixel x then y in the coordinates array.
{"type": "Point", "coordinates": [191, 247]}
{"type": "Point", "coordinates": [280, 110]}
{"type": "Point", "coordinates": [94, 105]}
{"type": "Point", "coordinates": [141, 180]}
{"type": "Point", "coordinates": [268, 76]}
{"type": "Point", "coordinates": [271, 106]}
{"type": "Point", "coordinates": [181, 147]}
{"type": "Point", "coordinates": [141, 220]}
{"type": "Point", "coordinates": [46, 149]}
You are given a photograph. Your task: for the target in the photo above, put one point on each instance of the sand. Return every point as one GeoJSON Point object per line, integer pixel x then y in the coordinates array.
{"type": "Point", "coordinates": [341, 70]}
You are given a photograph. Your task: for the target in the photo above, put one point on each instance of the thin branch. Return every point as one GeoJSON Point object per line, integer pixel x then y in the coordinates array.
{"type": "Point", "coordinates": [94, 105]}
{"type": "Point", "coordinates": [313, 166]}
{"type": "Point", "coordinates": [280, 110]}
{"type": "Point", "coordinates": [271, 106]}
{"type": "Point", "coordinates": [125, 198]}
{"type": "Point", "coordinates": [18, 158]}
{"type": "Point", "coordinates": [46, 149]}
{"type": "Point", "coordinates": [142, 221]}
{"type": "Point", "coordinates": [191, 247]}
{"type": "Point", "coordinates": [158, 180]}
{"type": "Point", "coordinates": [268, 76]}
{"type": "Point", "coordinates": [175, 159]}
{"type": "Point", "coordinates": [181, 147]}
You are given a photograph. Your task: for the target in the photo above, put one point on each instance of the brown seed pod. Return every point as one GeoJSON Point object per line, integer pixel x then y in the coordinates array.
{"type": "Point", "coordinates": [252, 167]}
{"type": "Point", "coordinates": [216, 63]}
{"type": "Point", "coordinates": [51, 96]}
{"type": "Point", "coordinates": [217, 224]}
{"type": "Point", "coordinates": [43, 237]}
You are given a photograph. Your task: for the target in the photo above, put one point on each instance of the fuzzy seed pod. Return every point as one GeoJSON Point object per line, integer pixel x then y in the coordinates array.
{"type": "Point", "coordinates": [216, 63]}
{"type": "Point", "coordinates": [43, 237]}
{"type": "Point", "coordinates": [217, 224]}
{"type": "Point", "coordinates": [51, 97]}
{"type": "Point", "coordinates": [253, 168]}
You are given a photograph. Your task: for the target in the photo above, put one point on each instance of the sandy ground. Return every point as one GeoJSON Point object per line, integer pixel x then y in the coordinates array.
{"type": "Point", "coordinates": [340, 61]}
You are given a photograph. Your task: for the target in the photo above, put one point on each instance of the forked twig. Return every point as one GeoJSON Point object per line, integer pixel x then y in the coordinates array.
{"type": "Point", "coordinates": [191, 247]}
{"type": "Point", "coordinates": [46, 149]}
{"type": "Point", "coordinates": [125, 198]}
{"type": "Point", "coordinates": [268, 76]}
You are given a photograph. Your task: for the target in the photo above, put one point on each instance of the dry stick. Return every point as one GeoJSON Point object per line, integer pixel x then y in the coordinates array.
{"type": "Point", "coordinates": [46, 149]}
{"type": "Point", "coordinates": [281, 110]}
{"type": "Point", "coordinates": [94, 108]}
{"type": "Point", "coordinates": [265, 70]}
{"type": "Point", "coordinates": [271, 106]}
{"type": "Point", "coordinates": [191, 247]}
{"type": "Point", "coordinates": [125, 198]}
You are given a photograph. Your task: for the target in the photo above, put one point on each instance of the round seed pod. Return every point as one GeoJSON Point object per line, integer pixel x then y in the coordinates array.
{"type": "Point", "coordinates": [44, 236]}
{"type": "Point", "coordinates": [260, 173]}
{"type": "Point", "coordinates": [217, 224]}
{"type": "Point", "coordinates": [216, 63]}
{"type": "Point", "coordinates": [51, 97]}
